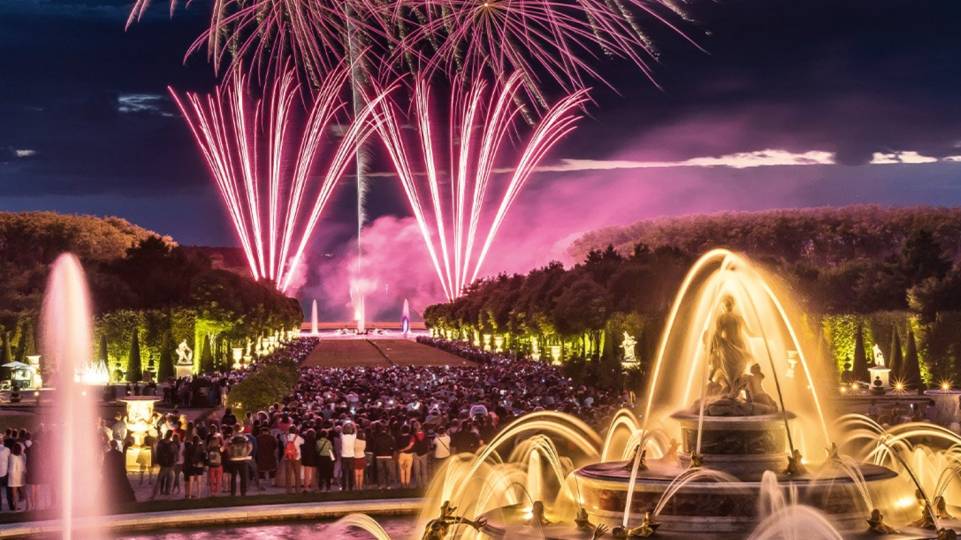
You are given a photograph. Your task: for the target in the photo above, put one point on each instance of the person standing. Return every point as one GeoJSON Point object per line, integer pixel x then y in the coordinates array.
{"type": "Point", "coordinates": [308, 458]}
{"type": "Point", "coordinates": [195, 455]}
{"type": "Point", "coordinates": [16, 474]}
{"type": "Point", "coordinates": [292, 444]}
{"type": "Point", "coordinates": [113, 476]}
{"type": "Point", "coordinates": [238, 454]}
{"type": "Point", "coordinates": [166, 459]}
{"type": "Point", "coordinates": [405, 456]}
{"type": "Point", "coordinates": [325, 461]}
{"type": "Point", "coordinates": [360, 459]}
{"type": "Point", "coordinates": [348, 439]}
{"type": "Point", "coordinates": [421, 455]}
{"type": "Point", "coordinates": [267, 454]}
{"type": "Point", "coordinates": [4, 463]}
{"type": "Point", "coordinates": [215, 466]}
{"type": "Point", "coordinates": [178, 462]}
{"type": "Point", "coordinates": [441, 448]}
{"type": "Point", "coordinates": [382, 446]}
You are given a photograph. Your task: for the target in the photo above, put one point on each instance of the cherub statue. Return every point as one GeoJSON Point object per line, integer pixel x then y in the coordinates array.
{"type": "Point", "coordinates": [645, 529]}
{"type": "Point", "coordinates": [794, 465]}
{"type": "Point", "coordinates": [583, 521]}
{"type": "Point", "coordinates": [927, 513]}
{"type": "Point", "coordinates": [834, 452]}
{"type": "Point", "coordinates": [877, 525]}
{"type": "Point", "coordinates": [947, 534]}
{"type": "Point", "coordinates": [753, 384]}
{"type": "Point", "coordinates": [438, 528]}
{"type": "Point", "coordinates": [941, 508]}
{"type": "Point", "coordinates": [538, 519]}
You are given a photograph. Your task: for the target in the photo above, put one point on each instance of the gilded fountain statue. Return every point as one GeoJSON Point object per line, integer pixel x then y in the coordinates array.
{"type": "Point", "coordinates": [732, 420]}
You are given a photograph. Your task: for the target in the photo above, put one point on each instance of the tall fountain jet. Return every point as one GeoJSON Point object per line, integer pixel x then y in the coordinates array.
{"type": "Point", "coordinates": [313, 318]}
{"type": "Point", "coordinates": [405, 318]}
{"type": "Point", "coordinates": [67, 347]}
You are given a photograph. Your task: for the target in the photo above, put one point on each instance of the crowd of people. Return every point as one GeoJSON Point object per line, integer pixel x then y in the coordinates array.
{"type": "Point", "coordinates": [363, 427]}
{"type": "Point", "coordinates": [340, 429]}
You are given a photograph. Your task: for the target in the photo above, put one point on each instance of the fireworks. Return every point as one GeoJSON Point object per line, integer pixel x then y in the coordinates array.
{"type": "Point", "coordinates": [546, 41]}
{"type": "Point", "coordinates": [543, 40]}
{"type": "Point", "coordinates": [314, 33]}
{"type": "Point", "coordinates": [265, 175]}
{"type": "Point", "coordinates": [458, 226]}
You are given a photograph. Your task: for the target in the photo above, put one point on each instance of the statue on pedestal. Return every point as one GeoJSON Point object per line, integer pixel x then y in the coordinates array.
{"type": "Point", "coordinates": [731, 391]}
{"type": "Point", "coordinates": [185, 355]}
{"type": "Point", "coordinates": [185, 360]}
{"type": "Point", "coordinates": [729, 350]}
{"type": "Point", "coordinates": [628, 344]}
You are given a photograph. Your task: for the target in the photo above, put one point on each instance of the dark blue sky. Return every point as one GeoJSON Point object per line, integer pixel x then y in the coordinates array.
{"type": "Point", "coordinates": [85, 124]}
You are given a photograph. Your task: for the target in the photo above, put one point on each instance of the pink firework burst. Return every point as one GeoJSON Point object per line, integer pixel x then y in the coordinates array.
{"type": "Point", "coordinates": [316, 34]}
{"type": "Point", "coordinates": [543, 40]}
{"type": "Point", "coordinates": [460, 210]}
{"type": "Point", "coordinates": [275, 173]}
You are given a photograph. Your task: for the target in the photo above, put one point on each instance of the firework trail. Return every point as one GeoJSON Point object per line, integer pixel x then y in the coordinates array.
{"type": "Point", "coordinates": [266, 174]}
{"type": "Point", "coordinates": [452, 209]}
{"type": "Point", "coordinates": [545, 41]}
{"type": "Point", "coordinates": [270, 33]}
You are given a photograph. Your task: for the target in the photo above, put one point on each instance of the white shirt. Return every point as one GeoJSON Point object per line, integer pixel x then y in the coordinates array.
{"type": "Point", "coordinates": [17, 471]}
{"type": "Point", "coordinates": [4, 460]}
{"type": "Point", "coordinates": [347, 442]}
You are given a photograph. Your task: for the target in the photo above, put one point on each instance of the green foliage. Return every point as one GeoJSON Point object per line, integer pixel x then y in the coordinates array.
{"type": "Point", "coordinates": [896, 356]}
{"type": "Point", "coordinates": [140, 282]}
{"type": "Point", "coordinates": [860, 366]}
{"type": "Point", "coordinates": [912, 370]}
{"type": "Point", "coordinates": [103, 354]}
{"type": "Point", "coordinates": [134, 360]}
{"type": "Point", "coordinates": [165, 369]}
{"type": "Point", "coordinates": [264, 387]}
{"type": "Point", "coordinates": [206, 357]}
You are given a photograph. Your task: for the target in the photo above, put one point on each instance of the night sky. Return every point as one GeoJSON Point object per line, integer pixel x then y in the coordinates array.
{"type": "Point", "coordinates": [794, 103]}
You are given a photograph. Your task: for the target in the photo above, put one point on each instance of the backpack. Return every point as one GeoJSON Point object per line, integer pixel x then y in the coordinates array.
{"type": "Point", "coordinates": [290, 450]}
{"type": "Point", "coordinates": [214, 456]}
{"type": "Point", "coordinates": [197, 457]}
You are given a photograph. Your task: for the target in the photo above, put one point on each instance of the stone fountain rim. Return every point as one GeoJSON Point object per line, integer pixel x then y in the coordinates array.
{"type": "Point", "coordinates": [872, 473]}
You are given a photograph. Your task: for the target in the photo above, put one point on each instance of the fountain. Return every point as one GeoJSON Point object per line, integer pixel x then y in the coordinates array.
{"type": "Point", "coordinates": [139, 415]}
{"type": "Point", "coordinates": [313, 318]}
{"type": "Point", "coordinates": [67, 347]}
{"type": "Point", "coordinates": [405, 319]}
{"type": "Point", "coordinates": [733, 439]}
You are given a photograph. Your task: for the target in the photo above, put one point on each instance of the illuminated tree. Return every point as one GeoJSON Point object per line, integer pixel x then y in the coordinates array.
{"type": "Point", "coordinates": [896, 356]}
{"type": "Point", "coordinates": [134, 361]}
{"type": "Point", "coordinates": [911, 370]}
{"type": "Point", "coordinates": [206, 357]}
{"type": "Point", "coordinates": [166, 368]}
{"type": "Point", "coordinates": [860, 357]}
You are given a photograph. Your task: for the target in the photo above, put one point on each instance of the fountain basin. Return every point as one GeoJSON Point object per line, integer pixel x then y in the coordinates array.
{"type": "Point", "coordinates": [736, 451]}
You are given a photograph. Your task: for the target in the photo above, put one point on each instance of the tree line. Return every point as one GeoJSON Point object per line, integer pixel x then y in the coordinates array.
{"type": "Point", "coordinates": [856, 263]}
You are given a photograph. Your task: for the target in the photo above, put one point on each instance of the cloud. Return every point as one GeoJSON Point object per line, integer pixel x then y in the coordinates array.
{"type": "Point", "coordinates": [141, 103]}
{"type": "Point", "coordinates": [909, 157]}
{"type": "Point", "coordinates": [24, 152]}
{"type": "Point", "coordinates": [739, 160]}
